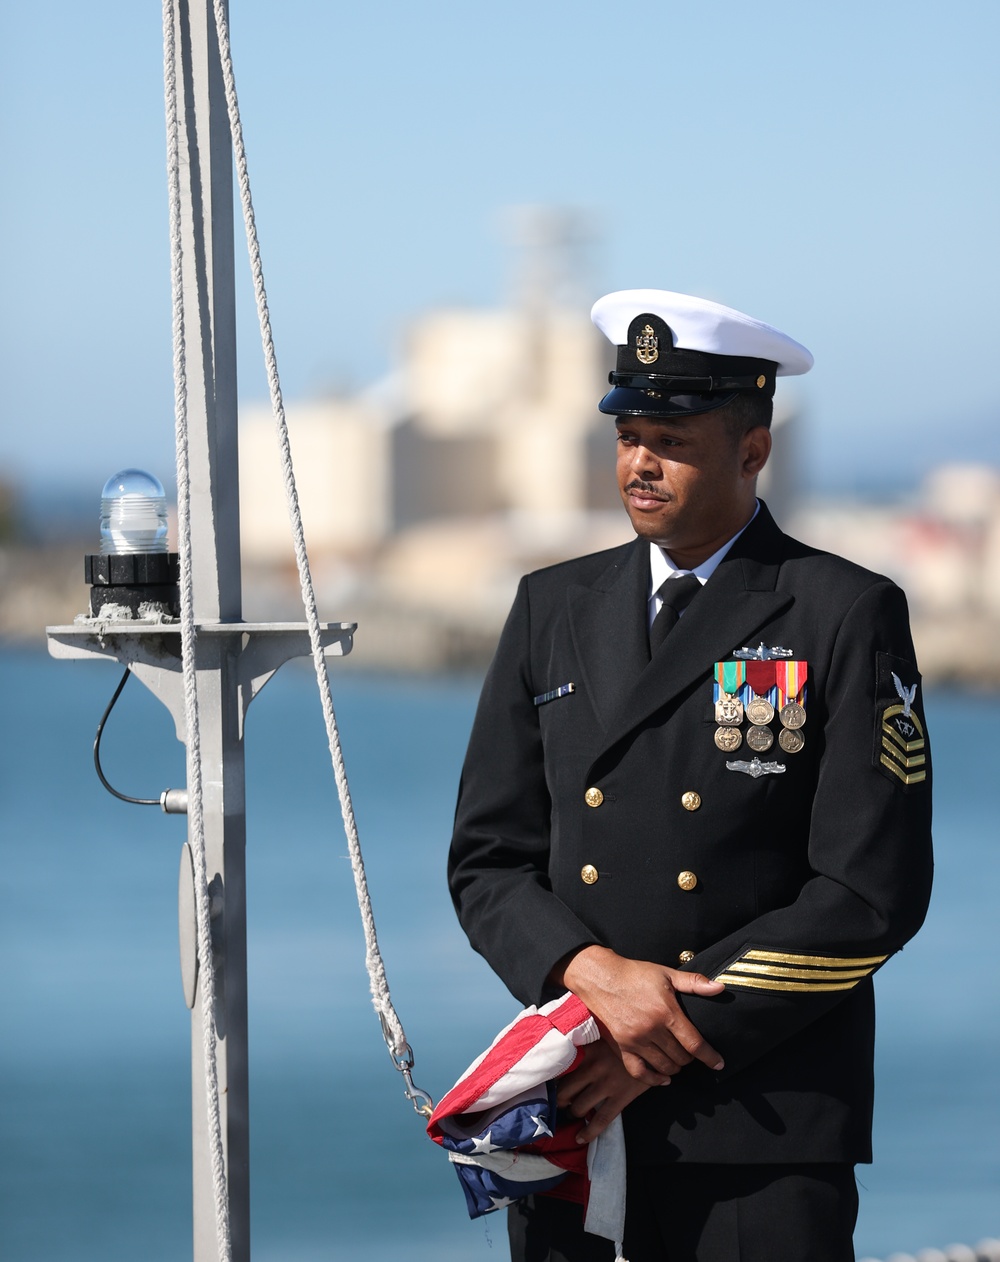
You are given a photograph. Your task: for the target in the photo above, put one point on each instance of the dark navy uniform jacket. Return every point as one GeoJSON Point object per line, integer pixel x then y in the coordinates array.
{"type": "Point", "coordinates": [807, 878]}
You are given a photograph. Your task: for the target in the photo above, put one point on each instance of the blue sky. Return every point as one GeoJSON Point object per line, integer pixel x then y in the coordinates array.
{"type": "Point", "coordinates": [830, 169]}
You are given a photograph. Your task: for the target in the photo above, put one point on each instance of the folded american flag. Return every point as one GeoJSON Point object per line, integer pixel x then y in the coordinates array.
{"type": "Point", "coordinates": [500, 1127]}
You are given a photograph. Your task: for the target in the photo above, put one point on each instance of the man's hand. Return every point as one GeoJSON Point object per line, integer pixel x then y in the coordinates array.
{"type": "Point", "coordinates": [635, 1003]}
{"type": "Point", "coordinates": [601, 1087]}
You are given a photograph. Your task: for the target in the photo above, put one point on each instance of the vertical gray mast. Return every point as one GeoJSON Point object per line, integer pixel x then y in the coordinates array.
{"type": "Point", "coordinates": [206, 175]}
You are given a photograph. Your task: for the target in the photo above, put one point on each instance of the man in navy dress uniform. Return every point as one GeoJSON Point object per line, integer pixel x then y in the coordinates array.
{"type": "Point", "coordinates": [697, 795]}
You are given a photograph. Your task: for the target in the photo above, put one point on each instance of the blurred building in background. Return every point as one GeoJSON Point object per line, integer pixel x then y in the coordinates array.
{"type": "Point", "coordinates": [942, 545]}
{"type": "Point", "coordinates": [480, 456]}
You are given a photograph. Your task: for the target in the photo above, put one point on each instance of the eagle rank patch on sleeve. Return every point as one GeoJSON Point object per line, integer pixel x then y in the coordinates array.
{"type": "Point", "coordinates": [901, 751]}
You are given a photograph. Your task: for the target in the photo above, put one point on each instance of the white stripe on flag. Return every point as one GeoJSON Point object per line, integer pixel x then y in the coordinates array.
{"type": "Point", "coordinates": [518, 1167]}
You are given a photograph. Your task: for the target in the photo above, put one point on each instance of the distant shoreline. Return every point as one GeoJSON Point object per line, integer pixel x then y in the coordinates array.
{"type": "Point", "coordinates": [42, 587]}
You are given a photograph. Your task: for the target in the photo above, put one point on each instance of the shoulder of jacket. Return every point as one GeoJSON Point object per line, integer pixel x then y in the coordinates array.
{"type": "Point", "coordinates": [583, 569]}
{"type": "Point", "coordinates": [835, 573]}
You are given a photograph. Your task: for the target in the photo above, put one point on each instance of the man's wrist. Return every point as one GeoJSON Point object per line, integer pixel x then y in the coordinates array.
{"type": "Point", "coordinates": [578, 968]}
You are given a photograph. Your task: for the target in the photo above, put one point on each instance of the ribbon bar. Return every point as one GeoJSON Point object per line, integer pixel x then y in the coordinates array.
{"type": "Point", "coordinates": [564, 690]}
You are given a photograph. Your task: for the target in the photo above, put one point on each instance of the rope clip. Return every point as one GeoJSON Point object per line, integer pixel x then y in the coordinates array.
{"type": "Point", "coordinates": [403, 1061]}
{"type": "Point", "coordinates": [421, 1101]}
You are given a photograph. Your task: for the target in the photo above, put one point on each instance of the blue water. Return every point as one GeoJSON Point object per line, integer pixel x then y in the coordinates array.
{"type": "Point", "coordinates": [94, 1049]}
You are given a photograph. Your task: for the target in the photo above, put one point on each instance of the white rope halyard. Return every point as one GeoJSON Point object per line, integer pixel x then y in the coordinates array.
{"type": "Point", "coordinates": [392, 1027]}
{"type": "Point", "coordinates": [196, 813]}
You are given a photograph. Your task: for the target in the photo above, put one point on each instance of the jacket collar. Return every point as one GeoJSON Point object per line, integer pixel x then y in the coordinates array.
{"type": "Point", "coordinates": [608, 621]}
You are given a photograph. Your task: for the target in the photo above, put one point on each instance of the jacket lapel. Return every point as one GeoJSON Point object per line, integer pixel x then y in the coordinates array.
{"type": "Point", "coordinates": [737, 601]}
{"type": "Point", "coordinates": [608, 624]}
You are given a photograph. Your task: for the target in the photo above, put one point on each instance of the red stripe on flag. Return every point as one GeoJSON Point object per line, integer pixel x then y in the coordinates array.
{"type": "Point", "coordinates": [570, 1013]}
{"type": "Point", "coordinates": [519, 1040]}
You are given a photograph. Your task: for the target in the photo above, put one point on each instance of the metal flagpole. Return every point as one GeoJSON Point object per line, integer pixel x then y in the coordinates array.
{"type": "Point", "coordinates": [208, 284]}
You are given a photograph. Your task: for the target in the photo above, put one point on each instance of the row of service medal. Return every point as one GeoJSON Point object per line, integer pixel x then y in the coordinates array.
{"type": "Point", "coordinates": [730, 712]}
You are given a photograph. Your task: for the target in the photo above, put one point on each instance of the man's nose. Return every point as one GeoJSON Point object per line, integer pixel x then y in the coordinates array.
{"type": "Point", "coordinates": [644, 462]}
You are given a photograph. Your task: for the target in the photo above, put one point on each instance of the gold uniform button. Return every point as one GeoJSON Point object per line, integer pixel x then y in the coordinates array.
{"type": "Point", "coordinates": [593, 797]}
{"type": "Point", "coordinates": [687, 880]}
{"type": "Point", "coordinates": [691, 800]}
{"type": "Point", "coordinates": [686, 957]}
{"type": "Point", "coordinates": [588, 874]}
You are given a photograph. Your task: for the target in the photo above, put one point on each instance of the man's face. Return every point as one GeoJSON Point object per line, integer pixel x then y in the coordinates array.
{"type": "Point", "coordinates": [688, 482]}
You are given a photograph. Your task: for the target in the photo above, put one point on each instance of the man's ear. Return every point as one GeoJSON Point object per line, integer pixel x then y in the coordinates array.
{"type": "Point", "coordinates": [755, 447]}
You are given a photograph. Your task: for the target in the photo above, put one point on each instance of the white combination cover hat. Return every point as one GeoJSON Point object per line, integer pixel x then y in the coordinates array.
{"type": "Point", "coordinates": [678, 354]}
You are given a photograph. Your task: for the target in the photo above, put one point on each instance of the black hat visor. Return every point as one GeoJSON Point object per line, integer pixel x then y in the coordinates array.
{"type": "Point", "coordinates": [626, 401]}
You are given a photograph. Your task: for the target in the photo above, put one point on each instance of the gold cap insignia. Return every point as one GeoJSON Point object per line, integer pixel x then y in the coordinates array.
{"type": "Point", "coordinates": [647, 345]}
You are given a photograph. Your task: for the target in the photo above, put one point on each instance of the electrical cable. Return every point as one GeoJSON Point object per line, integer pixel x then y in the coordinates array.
{"type": "Point", "coordinates": [97, 750]}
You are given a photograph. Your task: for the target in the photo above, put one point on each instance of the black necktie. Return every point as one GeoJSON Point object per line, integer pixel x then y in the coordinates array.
{"type": "Point", "coordinates": [676, 594]}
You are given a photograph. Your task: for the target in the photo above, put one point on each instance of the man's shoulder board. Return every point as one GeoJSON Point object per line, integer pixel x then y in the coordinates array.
{"type": "Point", "coordinates": [900, 748]}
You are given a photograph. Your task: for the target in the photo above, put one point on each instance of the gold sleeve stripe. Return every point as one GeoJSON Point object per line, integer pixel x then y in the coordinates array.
{"type": "Point", "coordinates": [915, 760]}
{"type": "Point", "coordinates": [892, 711]}
{"type": "Point", "coordinates": [914, 778]}
{"type": "Point", "coordinates": [908, 747]}
{"type": "Point", "coordinates": [761, 983]}
{"type": "Point", "coordinates": [805, 974]}
{"type": "Point", "coordinates": [817, 961]}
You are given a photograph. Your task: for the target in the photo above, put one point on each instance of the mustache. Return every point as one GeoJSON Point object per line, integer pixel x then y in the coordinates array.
{"type": "Point", "coordinates": [647, 488]}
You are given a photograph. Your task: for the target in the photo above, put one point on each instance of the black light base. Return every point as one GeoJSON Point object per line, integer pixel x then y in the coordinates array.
{"type": "Point", "coordinates": [133, 579]}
